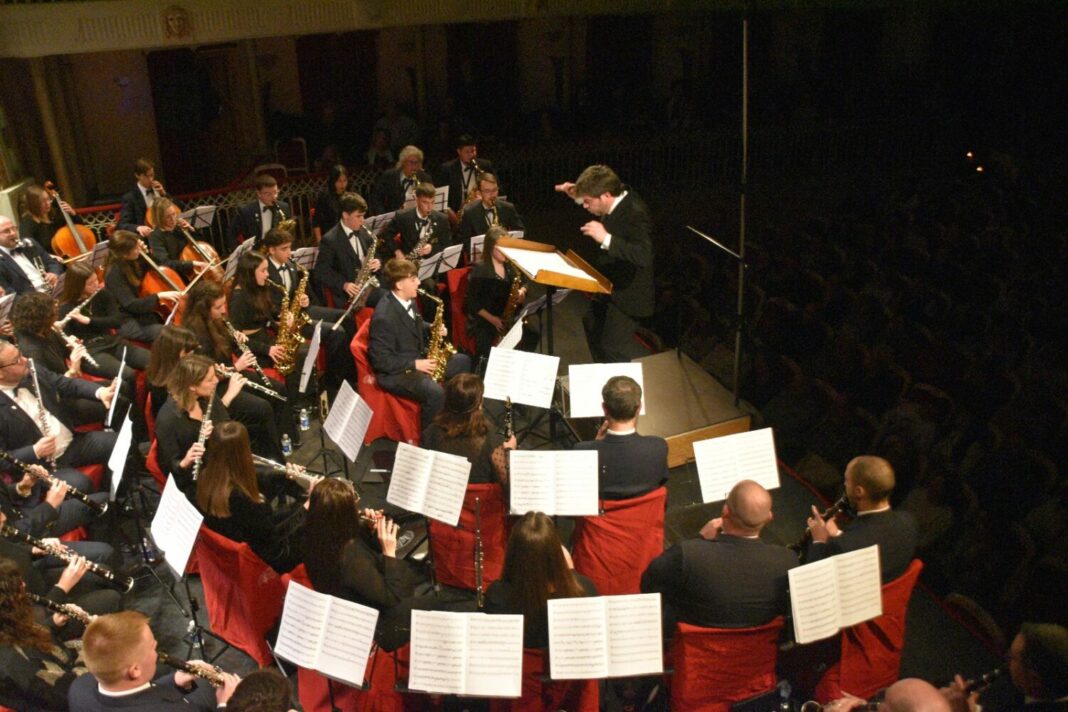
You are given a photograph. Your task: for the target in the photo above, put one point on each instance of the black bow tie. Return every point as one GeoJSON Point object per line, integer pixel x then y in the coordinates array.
{"type": "Point", "coordinates": [18, 249]}
{"type": "Point", "coordinates": [408, 183]}
{"type": "Point", "coordinates": [269, 208]}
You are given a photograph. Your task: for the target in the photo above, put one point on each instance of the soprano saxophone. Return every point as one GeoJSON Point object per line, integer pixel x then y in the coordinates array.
{"type": "Point", "coordinates": [439, 349]}
{"type": "Point", "coordinates": [425, 238]}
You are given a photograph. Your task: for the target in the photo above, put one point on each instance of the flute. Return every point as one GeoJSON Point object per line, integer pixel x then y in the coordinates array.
{"type": "Point", "coordinates": [225, 370]}
{"type": "Point", "coordinates": [209, 673]}
{"type": "Point", "coordinates": [292, 471]}
{"type": "Point", "coordinates": [42, 415]}
{"type": "Point", "coordinates": [243, 348]}
{"type": "Point", "coordinates": [203, 436]}
{"type": "Point", "coordinates": [64, 609]}
{"type": "Point", "coordinates": [23, 468]}
{"type": "Point", "coordinates": [126, 583]}
{"type": "Point", "coordinates": [73, 342]}
{"type": "Point", "coordinates": [81, 305]}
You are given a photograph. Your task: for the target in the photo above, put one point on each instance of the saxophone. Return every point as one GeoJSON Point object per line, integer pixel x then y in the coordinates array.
{"type": "Point", "coordinates": [514, 298]}
{"type": "Point", "coordinates": [425, 238]}
{"type": "Point", "coordinates": [365, 281]}
{"type": "Point", "coordinates": [291, 319]}
{"type": "Point", "coordinates": [439, 349]}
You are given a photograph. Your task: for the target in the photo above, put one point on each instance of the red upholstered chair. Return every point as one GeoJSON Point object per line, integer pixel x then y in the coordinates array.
{"type": "Point", "coordinates": [392, 416]}
{"type": "Point", "coordinates": [457, 281]}
{"type": "Point", "coordinates": [540, 695]}
{"type": "Point", "coordinates": [153, 466]}
{"type": "Point", "coordinates": [614, 548]}
{"type": "Point", "coordinates": [716, 667]}
{"type": "Point", "coordinates": [243, 595]}
{"type": "Point", "coordinates": [452, 549]}
{"type": "Point", "coordinates": [871, 651]}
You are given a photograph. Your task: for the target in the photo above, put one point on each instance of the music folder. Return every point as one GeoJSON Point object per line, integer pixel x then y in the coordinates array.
{"type": "Point", "coordinates": [553, 481]}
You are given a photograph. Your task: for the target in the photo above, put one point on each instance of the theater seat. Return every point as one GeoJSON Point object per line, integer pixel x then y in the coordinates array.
{"type": "Point", "coordinates": [452, 549]}
{"type": "Point", "coordinates": [392, 416]}
{"type": "Point", "coordinates": [543, 695]}
{"type": "Point", "coordinates": [457, 280]}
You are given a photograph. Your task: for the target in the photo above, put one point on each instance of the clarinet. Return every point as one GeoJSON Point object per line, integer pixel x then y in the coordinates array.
{"type": "Point", "coordinates": [984, 681]}
{"type": "Point", "coordinates": [46, 430]}
{"type": "Point", "coordinates": [63, 609]}
{"type": "Point", "coordinates": [126, 583]}
{"type": "Point", "coordinates": [839, 505]}
{"type": "Point", "coordinates": [203, 436]}
{"type": "Point", "coordinates": [225, 370]}
{"type": "Point", "coordinates": [480, 598]}
{"type": "Point", "coordinates": [23, 468]}
{"type": "Point", "coordinates": [211, 674]}
{"type": "Point", "coordinates": [72, 342]}
{"type": "Point", "coordinates": [509, 420]}
{"type": "Point", "coordinates": [243, 348]}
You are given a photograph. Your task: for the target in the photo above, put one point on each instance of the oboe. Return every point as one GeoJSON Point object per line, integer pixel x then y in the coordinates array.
{"type": "Point", "coordinates": [211, 674]}
{"type": "Point", "coordinates": [42, 415]}
{"type": "Point", "coordinates": [243, 348]}
{"type": "Point", "coordinates": [479, 555]}
{"type": "Point", "coordinates": [61, 552]}
{"type": "Point", "coordinates": [840, 504]}
{"type": "Point", "coordinates": [73, 342]}
{"type": "Point", "coordinates": [225, 370]}
{"type": "Point", "coordinates": [63, 609]}
{"type": "Point", "coordinates": [23, 468]}
{"type": "Point", "coordinates": [203, 436]}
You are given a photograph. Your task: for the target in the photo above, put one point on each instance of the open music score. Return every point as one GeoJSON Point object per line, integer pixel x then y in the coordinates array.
{"type": "Point", "coordinates": [442, 262]}
{"type": "Point", "coordinates": [347, 422]}
{"type": "Point", "coordinates": [235, 257]}
{"type": "Point", "coordinates": [835, 593]}
{"type": "Point", "coordinates": [477, 241]}
{"type": "Point", "coordinates": [471, 654]}
{"type": "Point", "coordinates": [553, 481]}
{"type": "Point", "coordinates": [175, 527]}
{"type": "Point", "coordinates": [306, 257]}
{"type": "Point", "coordinates": [429, 482]}
{"type": "Point", "coordinates": [525, 377]}
{"type": "Point", "coordinates": [586, 380]}
{"type": "Point", "coordinates": [311, 358]}
{"type": "Point", "coordinates": [377, 223]}
{"type": "Point", "coordinates": [727, 460]}
{"type": "Point", "coordinates": [327, 634]}
{"type": "Point", "coordinates": [119, 454]}
{"type": "Point", "coordinates": [605, 636]}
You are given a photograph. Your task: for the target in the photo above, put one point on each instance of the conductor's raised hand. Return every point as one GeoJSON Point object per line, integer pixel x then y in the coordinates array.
{"type": "Point", "coordinates": [567, 188]}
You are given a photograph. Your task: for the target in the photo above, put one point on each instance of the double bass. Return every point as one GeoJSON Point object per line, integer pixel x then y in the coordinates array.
{"type": "Point", "coordinates": [72, 240]}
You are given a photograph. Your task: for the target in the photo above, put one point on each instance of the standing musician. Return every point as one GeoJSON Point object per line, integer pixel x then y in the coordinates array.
{"type": "Point", "coordinates": [135, 204]}
{"type": "Point", "coordinates": [487, 211]}
{"type": "Point", "coordinates": [24, 266]}
{"type": "Point", "coordinates": [123, 276]}
{"type": "Point", "coordinates": [623, 233]}
{"type": "Point", "coordinates": [327, 204]}
{"type": "Point", "coordinates": [167, 240]}
{"type": "Point", "coordinates": [41, 218]}
{"type": "Point", "coordinates": [461, 173]}
{"type": "Point", "coordinates": [344, 250]}
{"type": "Point", "coordinates": [254, 219]}
{"type": "Point", "coordinates": [489, 288]}
{"type": "Point", "coordinates": [397, 185]}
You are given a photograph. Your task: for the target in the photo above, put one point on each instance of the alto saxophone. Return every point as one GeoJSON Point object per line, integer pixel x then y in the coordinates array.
{"type": "Point", "coordinates": [365, 281]}
{"type": "Point", "coordinates": [291, 319]}
{"type": "Point", "coordinates": [439, 349]}
{"type": "Point", "coordinates": [425, 238]}
{"type": "Point", "coordinates": [514, 298]}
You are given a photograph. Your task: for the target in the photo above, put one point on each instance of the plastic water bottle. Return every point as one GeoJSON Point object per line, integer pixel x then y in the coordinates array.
{"type": "Point", "coordinates": [287, 445]}
{"type": "Point", "coordinates": [785, 690]}
{"type": "Point", "coordinates": [305, 421]}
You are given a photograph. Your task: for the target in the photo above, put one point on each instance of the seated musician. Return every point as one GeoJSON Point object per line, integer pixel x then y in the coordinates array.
{"type": "Point", "coordinates": [461, 173]}
{"type": "Point", "coordinates": [172, 345]}
{"type": "Point", "coordinates": [167, 239]}
{"type": "Point", "coordinates": [461, 428]}
{"type": "Point", "coordinates": [262, 690]}
{"type": "Point", "coordinates": [228, 494]}
{"type": "Point", "coordinates": [42, 217]}
{"type": "Point", "coordinates": [395, 187]}
{"type": "Point", "coordinates": [420, 224]}
{"type": "Point", "coordinates": [253, 220]}
{"type": "Point", "coordinates": [398, 342]}
{"type": "Point", "coordinates": [24, 266]}
{"type": "Point", "coordinates": [327, 203]}
{"type": "Point", "coordinates": [489, 289]}
{"type": "Point", "coordinates": [136, 202]}
{"type": "Point", "coordinates": [487, 211]}
{"type": "Point", "coordinates": [41, 508]}
{"type": "Point", "coordinates": [120, 653]}
{"type": "Point", "coordinates": [344, 250]}
{"type": "Point", "coordinates": [537, 567]}
{"type": "Point", "coordinates": [123, 277]}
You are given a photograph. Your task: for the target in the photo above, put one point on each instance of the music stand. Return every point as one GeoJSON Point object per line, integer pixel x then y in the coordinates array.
{"type": "Point", "coordinates": [200, 217]}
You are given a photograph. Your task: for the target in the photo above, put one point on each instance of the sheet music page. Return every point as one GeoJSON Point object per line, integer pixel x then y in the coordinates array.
{"type": "Point", "coordinates": [439, 651]}
{"type": "Point", "coordinates": [347, 636]}
{"type": "Point", "coordinates": [428, 265]}
{"type": "Point", "coordinates": [531, 481]}
{"type": "Point", "coordinates": [578, 638]}
{"type": "Point", "coordinates": [476, 247]}
{"type": "Point", "coordinates": [450, 258]}
{"type": "Point", "coordinates": [100, 255]}
{"type": "Point", "coordinates": [303, 622]}
{"type": "Point", "coordinates": [334, 425]}
{"type": "Point", "coordinates": [6, 302]}
{"type": "Point", "coordinates": [441, 198]}
{"type": "Point", "coordinates": [575, 472]}
{"type": "Point", "coordinates": [533, 262]}
{"type": "Point", "coordinates": [586, 381]}
{"type": "Point", "coordinates": [355, 429]}
{"type": "Point", "coordinates": [527, 378]}
{"type": "Point", "coordinates": [635, 643]}
{"type": "Point", "coordinates": [494, 655]}
{"type": "Point", "coordinates": [175, 527]}
{"type": "Point", "coordinates": [309, 360]}
{"type": "Point", "coordinates": [860, 592]}
{"type": "Point", "coordinates": [117, 461]}
{"type": "Point", "coordinates": [446, 487]}
{"type": "Point", "coordinates": [511, 339]}
{"type": "Point", "coordinates": [411, 477]}
{"type": "Point", "coordinates": [115, 401]}
{"type": "Point", "coordinates": [814, 601]}
{"type": "Point", "coordinates": [724, 461]}
{"type": "Point", "coordinates": [306, 256]}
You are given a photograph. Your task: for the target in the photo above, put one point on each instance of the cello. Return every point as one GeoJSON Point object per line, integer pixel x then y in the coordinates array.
{"type": "Point", "coordinates": [159, 279]}
{"type": "Point", "coordinates": [73, 240]}
{"type": "Point", "coordinates": [167, 218]}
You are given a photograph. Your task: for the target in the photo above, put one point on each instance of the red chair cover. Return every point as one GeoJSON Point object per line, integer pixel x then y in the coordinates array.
{"type": "Point", "coordinates": [76, 534]}
{"type": "Point", "coordinates": [612, 550]}
{"type": "Point", "coordinates": [550, 695]}
{"type": "Point", "coordinates": [392, 416]}
{"type": "Point", "coordinates": [243, 595]}
{"type": "Point", "coordinates": [150, 419]}
{"type": "Point", "coordinates": [457, 280]}
{"type": "Point", "coordinates": [871, 651]}
{"type": "Point", "coordinates": [95, 473]}
{"type": "Point", "coordinates": [716, 667]}
{"type": "Point", "coordinates": [363, 315]}
{"type": "Point", "coordinates": [152, 465]}
{"type": "Point", "coordinates": [453, 548]}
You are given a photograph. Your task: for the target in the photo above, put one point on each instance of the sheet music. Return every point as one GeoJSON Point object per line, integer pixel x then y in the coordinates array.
{"type": "Point", "coordinates": [306, 257]}
{"type": "Point", "coordinates": [441, 198]}
{"type": "Point", "coordinates": [346, 424]}
{"type": "Point", "coordinates": [578, 638]}
{"type": "Point", "coordinates": [586, 381]}
{"type": "Point", "coordinates": [303, 621]}
{"type": "Point", "coordinates": [356, 428]}
{"type": "Point", "coordinates": [511, 339]}
{"type": "Point", "coordinates": [309, 360]}
{"type": "Point", "coordinates": [440, 263]}
{"type": "Point", "coordinates": [376, 223]}
{"type": "Point", "coordinates": [117, 461]}
{"type": "Point", "coordinates": [476, 248]}
{"type": "Point", "coordinates": [6, 302]}
{"type": "Point", "coordinates": [494, 655]}
{"type": "Point", "coordinates": [527, 378]}
{"type": "Point", "coordinates": [635, 643]}
{"type": "Point", "coordinates": [538, 304]}
{"type": "Point", "coordinates": [531, 489]}
{"type": "Point", "coordinates": [724, 461]}
{"type": "Point", "coordinates": [860, 592]}
{"type": "Point", "coordinates": [446, 487]}
{"type": "Point", "coordinates": [175, 527]}
{"type": "Point", "coordinates": [346, 642]}
{"type": "Point", "coordinates": [439, 651]}
{"type": "Point", "coordinates": [814, 601]}
{"type": "Point", "coordinates": [235, 257]}
{"type": "Point", "coordinates": [115, 398]}
{"type": "Point", "coordinates": [533, 262]}
{"type": "Point", "coordinates": [100, 255]}
{"type": "Point", "coordinates": [199, 217]}
{"type": "Point", "coordinates": [576, 483]}
{"type": "Point", "coordinates": [411, 473]}
{"type": "Point", "coordinates": [553, 481]}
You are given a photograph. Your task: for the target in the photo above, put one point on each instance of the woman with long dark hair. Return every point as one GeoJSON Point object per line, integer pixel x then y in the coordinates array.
{"type": "Point", "coordinates": [251, 310]}
{"type": "Point", "coordinates": [488, 289]}
{"type": "Point", "coordinates": [327, 205]}
{"type": "Point", "coordinates": [123, 276]}
{"type": "Point", "coordinates": [172, 345]}
{"type": "Point", "coordinates": [461, 428]}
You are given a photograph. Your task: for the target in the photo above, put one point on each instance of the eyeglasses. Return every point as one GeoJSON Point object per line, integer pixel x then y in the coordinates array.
{"type": "Point", "coordinates": [18, 359]}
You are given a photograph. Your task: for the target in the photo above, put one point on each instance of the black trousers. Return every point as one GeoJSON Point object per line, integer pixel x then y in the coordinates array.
{"type": "Point", "coordinates": [610, 333]}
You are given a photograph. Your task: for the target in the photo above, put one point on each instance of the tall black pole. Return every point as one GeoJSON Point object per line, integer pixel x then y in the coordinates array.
{"type": "Point", "coordinates": [739, 323]}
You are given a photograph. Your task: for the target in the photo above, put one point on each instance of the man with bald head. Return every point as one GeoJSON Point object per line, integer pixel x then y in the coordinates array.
{"type": "Point", "coordinates": [909, 695]}
{"type": "Point", "coordinates": [869, 481]}
{"type": "Point", "coordinates": [727, 577]}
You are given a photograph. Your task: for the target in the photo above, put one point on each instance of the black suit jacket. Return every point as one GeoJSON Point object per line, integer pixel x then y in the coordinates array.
{"type": "Point", "coordinates": [404, 224]}
{"type": "Point", "coordinates": [630, 465]}
{"type": "Point", "coordinates": [134, 207]}
{"type": "Point", "coordinates": [388, 193]}
{"type": "Point", "coordinates": [18, 432]}
{"type": "Point", "coordinates": [893, 530]}
{"type": "Point", "coordinates": [338, 262]}
{"type": "Point", "coordinates": [729, 582]}
{"type": "Point", "coordinates": [248, 223]}
{"type": "Point", "coordinates": [628, 262]}
{"type": "Point", "coordinates": [474, 220]}
{"type": "Point", "coordinates": [450, 173]}
{"type": "Point", "coordinates": [161, 697]}
{"type": "Point", "coordinates": [396, 340]}
{"type": "Point", "coordinates": [13, 279]}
